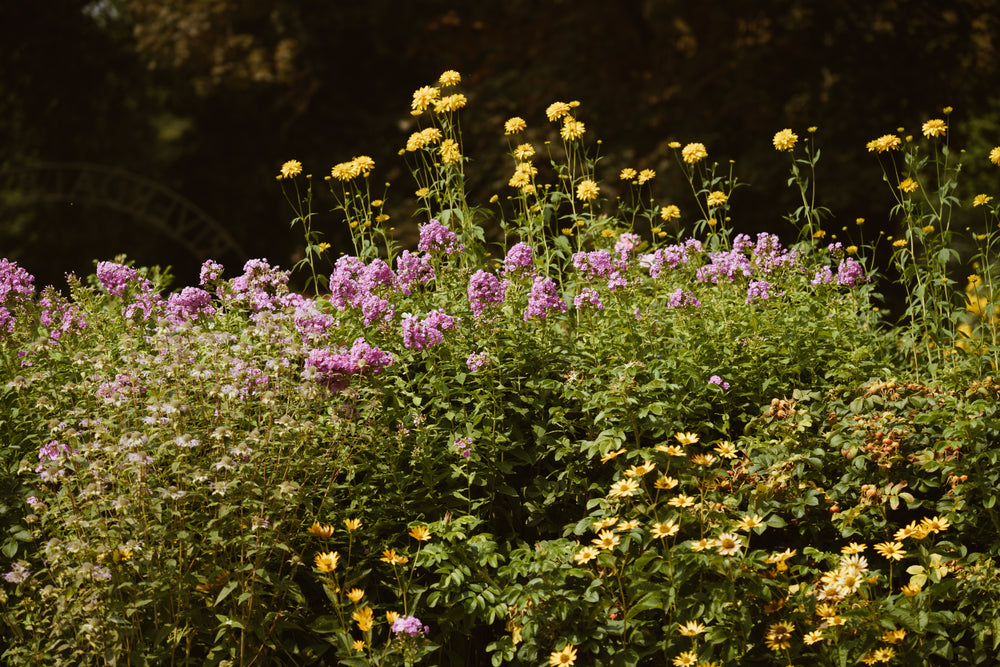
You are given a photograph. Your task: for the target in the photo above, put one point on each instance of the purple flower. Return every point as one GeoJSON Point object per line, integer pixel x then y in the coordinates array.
{"type": "Point", "coordinates": [477, 360]}
{"type": "Point", "coordinates": [16, 287]}
{"type": "Point", "coordinates": [671, 256]}
{"type": "Point", "coordinates": [850, 272]}
{"type": "Point", "coordinates": [823, 276]}
{"type": "Point", "coordinates": [261, 286]}
{"type": "Point", "coordinates": [463, 447]}
{"type": "Point", "coordinates": [758, 289]}
{"type": "Point", "coordinates": [409, 625]}
{"type": "Point", "coordinates": [520, 259]}
{"type": "Point", "coordinates": [210, 272]}
{"type": "Point", "coordinates": [485, 290]}
{"type": "Point", "coordinates": [19, 572]}
{"type": "Point", "coordinates": [188, 304]}
{"type": "Point", "coordinates": [58, 315]}
{"type": "Point", "coordinates": [543, 298]}
{"type": "Point", "coordinates": [334, 369]}
{"type": "Point", "coordinates": [375, 274]}
{"type": "Point", "coordinates": [588, 296]}
{"type": "Point", "coordinates": [412, 269]}
{"type": "Point", "coordinates": [715, 379]}
{"type": "Point", "coordinates": [627, 243]}
{"type": "Point", "coordinates": [421, 334]}
{"type": "Point", "coordinates": [114, 278]}
{"type": "Point", "coordinates": [435, 237]}
{"type": "Point", "coordinates": [375, 308]}
{"type": "Point", "coordinates": [683, 299]}
{"type": "Point", "coordinates": [596, 264]}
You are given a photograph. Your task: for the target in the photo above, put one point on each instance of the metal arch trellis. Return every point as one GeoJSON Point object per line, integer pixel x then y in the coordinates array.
{"type": "Point", "coordinates": [144, 200]}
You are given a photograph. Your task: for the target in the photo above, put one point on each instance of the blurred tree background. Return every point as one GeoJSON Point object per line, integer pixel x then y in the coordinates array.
{"type": "Point", "coordinates": [206, 99]}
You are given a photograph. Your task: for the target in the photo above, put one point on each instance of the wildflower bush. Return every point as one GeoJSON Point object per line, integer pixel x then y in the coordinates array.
{"type": "Point", "coordinates": [621, 432]}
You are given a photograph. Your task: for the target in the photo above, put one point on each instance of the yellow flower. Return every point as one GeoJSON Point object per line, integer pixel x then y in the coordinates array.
{"type": "Point", "coordinates": [851, 250]}
{"type": "Point", "coordinates": [646, 175]}
{"type": "Point", "coordinates": [853, 548]}
{"type": "Point", "coordinates": [450, 78]}
{"type": "Point", "coordinates": [887, 142]}
{"type": "Point", "coordinates": [935, 127]}
{"type": "Point", "coordinates": [674, 144]}
{"type": "Point", "coordinates": [909, 590]}
{"type": "Point", "coordinates": [391, 616]}
{"type": "Point", "coordinates": [450, 152]}
{"type": "Point", "coordinates": [927, 229]}
{"type": "Point", "coordinates": [702, 544]}
{"type": "Point", "coordinates": [980, 200]}
{"type": "Point", "coordinates": [908, 185]}
{"type": "Point", "coordinates": [703, 459]}
{"type": "Point", "coordinates": [728, 544]}
{"type": "Point", "coordinates": [321, 530]}
{"type": "Point", "coordinates": [557, 110]}
{"type": "Point", "coordinates": [819, 234]}
{"type": "Point", "coordinates": [420, 533]}
{"type": "Point", "coordinates": [813, 637]}
{"type": "Point", "coordinates": [422, 192]}
{"type": "Point", "coordinates": [364, 617]}
{"type": "Point", "coordinates": [894, 636]}
{"type": "Point", "coordinates": [606, 540]}
{"type": "Point", "coordinates": [914, 530]}
{"type": "Point", "coordinates": [750, 522]}
{"type": "Point", "coordinates": [605, 523]}
{"type": "Point", "coordinates": [291, 169]}
{"type": "Point", "coordinates": [514, 125]}
{"type": "Point", "coordinates": [587, 190]}
{"type": "Point", "coordinates": [785, 140]}
{"type": "Point", "coordinates": [572, 129]}
{"type": "Point", "coordinates": [640, 470]}
{"type": "Point", "coordinates": [691, 629]}
{"type": "Point", "coordinates": [936, 524]}
{"type": "Point", "coordinates": [694, 153]}
{"type": "Point", "coordinates": [665, 483]}
{"type": "Point", "coordinates": [355, 595]}
{"type": "Point", "coordinates": [567, 656]}
{"type": "Point", "coordinates": [681, 501]}
{"type": "Point", "coordinates": [671, 450]}
{"type": "Point", "coordinates": [424, 97]}
{"type": "Point", "coordinates": [358, 645]}
{"type": "Point", "coordinates": [522, 175]}
{"type": "Point", "coordinates": [884, 654]}
{"type": "Point", "coordinates": [364, 164]}
{"type": "Point", "coordinates": [382, 217]}
{"type": "Point", "coordinates": [717, 198]}
{"type": "Point", "coordinates": [352, 524]}
{"type": "Point", "coordinates": [327, 562]}
{"type": "Point", "coordinates": [623, 488]}
{"type": "Point", "coordinates": [726, 450]}
{"type": "Point", "coordinates": [891, 550]}
{"type": "Point", "coordinates": [323, 247]}
{"type": "Point", "coordinates": [995, 155]}
{"type": "Point", "coordinates": [899, 243]}
{"type": "Point", "coordinates": [665, 529]}
{"type": "Point", "coordinates": [390, 556]}
{"type": "Point", "coordinates": [450, 103]}
{"type": "Point", "coordinates": [345, 171]}
{"type": "Point", "coordinates": [670, 212]}
{"type": "Point", "coordinates": [524, 152]}
{"type": "Point", "coordinates": [686, 438]}
{"type": "Point", "coordinates": [585, 555]}
{"type": "Point", "coordinates": [778, 635]}
{"type": "Point", "coordinates": [627, 174]}
{"type": "Point", "coordinates": [686, 659]}
{"type": "Point", "coordinates": [627, 525]}
{"type": "Point", "coordinates": [859, 221]}
{"type": "Point", "coordinates": [612, 455]}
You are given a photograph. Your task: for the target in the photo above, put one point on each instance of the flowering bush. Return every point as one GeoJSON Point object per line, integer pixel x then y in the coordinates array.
{"type": "Point", "coordinates": [625, 441]}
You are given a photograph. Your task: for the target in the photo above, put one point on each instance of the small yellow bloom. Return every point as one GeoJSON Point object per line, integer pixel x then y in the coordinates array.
{"type": "Point", "coordinates": [995, 155]}
{"type": "Point", "coordinates": [566, 656]}
{"type": "Point", "coordinates": [391, 616]}
{"type": "Point", "coordinates": [859, 221]}
{"type": "Point", "coordinates": [819, 234]}
{"type": "Point", "coordinates": [686, 438]}
{"type": "Point", "coordinates": [694, 153]}
{"type": "Point", "coordinates": [585, 555]}
{"type": "Point", "coordinates": [363, 164]}
{"type": "Point", "coordinates": [422, 192]}
{"type": "Point", "coordinates": [909, 590]}
{"type": "Point", "coordinates": [935, 127]}
{"type": "Point", "coordinates": [627, 525]}
{"type": "Point", "coordinates": [853, 548]}
{"type": "Point", "coordinates": [936, 524]}
{"type": "Point", "coordinates": [345, 171]}
{"type": "Point", "coordinates": [750, 522]}
{"type": "Point", "coordinates": [899, 243]}
{"type": "Point", "coordinates": [785, 140]}
{"type": "Point", "coordinates": [587, 190]}
{"type": "Point", "coordinates": [606, 540]}
{"type": "Point", "coordinates": [381, 217]}
{"type": "Point", "coordinates": [778, 635]}
{"type": "Point", "coordinates": [623, 488]}
{"type": "Point", "coordinates": [572, 129]}
{"type": "Point", "coordinates": [605, 523]}
{"type": "Point", "coordinates": [813, 637]}
{"type": "Point", "coordinates": [728, 544]}
{"type": "Point", "coordinates": [851, 250]}
{"type": "Point", "coordinates": [627, 174]}
{"type": "Point", "coordinates": [894, 636]}
{"type": "Point", "coordinates": [640, 470]}
{"type": "Point", "coordinates": [449, 151]}
{"type": "Point", "coordinates": [665, 529]}
{"type": "Point", "coordinates": [514, 125]}
{"type": "Point", "coordinates": [323, 247]}
{"type": "Point", "coordinates": [291, 169]}
{"type": "Point", "coordinates": [352, 524]}
{"type": "Point", "coordinates": [681, 501]}
{"type": "Point", "coordinates": [686, 659]}
{"type": "Point", "coordinates": [450, 78]}
{"type": "Point", "coordinates": [726, 450]}
{"type": "Point", "coordinates": [420, 533]}
{"type": "Point", "coordinates": [612, 455]}
{"type": "Point", "coordinates": [557, 110]}
{"type": "Point", "coordinates": [646, 175]}
{"type": "Point", "coordinates": [717, 198]}
{"type": "Point", "coordinates": [607, 233]}
{"type": "Point", "coordinates": [703, 459]}
{"type": "Point", "coordinates": [358, 645]}
{"type": "Point", "coordinates": [890, 550]}
{"type": "Point", "coordinates": [364, 617]}
{"type": "Point", "coordinates": [355, 595]}
{"type": "Point", "coordinates": [691, 629]}
{"type": "Point", "coordinates": [908, 185]}
{"type": "Point", "coordinates": [981, 200]}
{"type": "Point", "coordinates": [450, 103]}
{"type": "Point", "coordinates": [390, 556]}
{"type": "Point", "coordinates": [671, 450]}
{"type": "Point", "coordinates": [326, 562]}
{"type": "Point", "coordinates": [887, 142]}
{"type": "Point", "coordinates": [927, 229]}
{"type": "Point", "coordinates": [666, 483]}
{"type": "Point", "coordinates": [424, 97]}
{"type": "Point", "coordinates": [318, 529]}
{"type": "Point", "coordinates": [670, 212]}
{"type": "Point", "coordinates": [702, 544]}
{"type": "Point", "coordinates": [524, 152]}
{"type": "Point", "coordinates": [674, 144]}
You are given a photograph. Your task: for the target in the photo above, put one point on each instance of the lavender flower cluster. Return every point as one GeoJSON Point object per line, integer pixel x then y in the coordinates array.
{"type": "Point", "coordinates": [16, 287]}
{"type": "Point", "coordinates": [409, 625]}
{"type": "Point", "coordinates": [335, 369]}
{"type": "Point", "coordinates": [421, 334]}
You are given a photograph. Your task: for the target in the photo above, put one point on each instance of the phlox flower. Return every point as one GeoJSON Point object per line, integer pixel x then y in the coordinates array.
{"type": "Point", "coordinates": [436, 238]}
{"type": "Point", "coordinates": [519, 259]}
{"type": "Point", "coordinates": [543, 299]}
{"type": "Point", "coordinates": [715, 379]}
{"type": "Point", "coordinates": [588, 296]}
{"type": "Point", "coordinates": [115, 278]}
{"type": "Point", "coordinates": [477, 360]}
{"type": "Point", "coordinates": [485, 290]}
{"type": "Point", "coordinates": [682, 298]}
{"type": "Point", "coordinates": [421, 334]}
{"type": "Point", "coordinates": [409, 625]}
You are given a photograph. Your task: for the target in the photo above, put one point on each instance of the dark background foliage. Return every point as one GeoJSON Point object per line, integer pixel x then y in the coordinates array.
{"type": "Point", "coordinates": [209, 97]}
